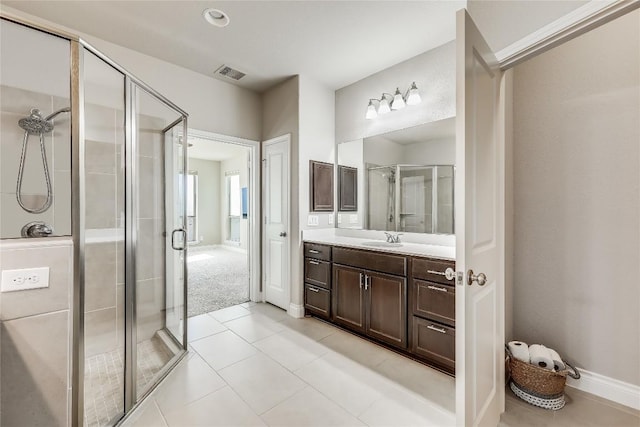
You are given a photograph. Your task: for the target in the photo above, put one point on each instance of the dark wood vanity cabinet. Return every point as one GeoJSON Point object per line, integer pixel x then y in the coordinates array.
{"type": "Point", "coordinates": [369, 301]}
{"type": "Point", "coordinates": [401, 301]}
{"type": "Point", "coordinates": [317, 279]}
{"type": "Point", "coordinates": [433, 307]}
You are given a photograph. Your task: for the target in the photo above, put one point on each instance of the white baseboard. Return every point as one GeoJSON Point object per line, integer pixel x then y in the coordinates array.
{"type": "Point", "coordinates": [608, 388]}
{"type": "Point", "coordinates": [296, 310]}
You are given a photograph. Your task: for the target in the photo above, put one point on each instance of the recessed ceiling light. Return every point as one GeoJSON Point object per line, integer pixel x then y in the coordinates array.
{"type": "Point", "coordinates": [216, 17]}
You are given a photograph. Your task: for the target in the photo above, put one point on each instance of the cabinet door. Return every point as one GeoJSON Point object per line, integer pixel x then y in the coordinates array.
{"type": "Point", "coordinates": [321, 186]}
{"type": "Point", "coordinates": [348, 297]}
{"type": "Point", "coordinates": [347, 189]}
{"type": "Point", "coordinates": [386, 302]}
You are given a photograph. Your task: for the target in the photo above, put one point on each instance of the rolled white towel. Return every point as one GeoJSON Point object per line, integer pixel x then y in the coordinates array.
{"type": "Point", "coordinates": [540, 356]}
{"type": "Point", "coordinates": [519, 350]}
{"type": "Point", "coordinates": [558, 364]}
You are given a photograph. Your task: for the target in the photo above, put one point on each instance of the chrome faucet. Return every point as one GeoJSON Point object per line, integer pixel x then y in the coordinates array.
{"type": "Point", "coordinates": [391, 238]}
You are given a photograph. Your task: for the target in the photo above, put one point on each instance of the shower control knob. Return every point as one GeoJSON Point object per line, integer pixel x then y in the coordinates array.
{"type": "Point", "coordinates": [36, 229]}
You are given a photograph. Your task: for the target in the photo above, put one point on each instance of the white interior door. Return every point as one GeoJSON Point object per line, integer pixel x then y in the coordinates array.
{"type": "Point", "coordinates": [275, 249]}
{"type": "Point", "coordinates": [479, 231]}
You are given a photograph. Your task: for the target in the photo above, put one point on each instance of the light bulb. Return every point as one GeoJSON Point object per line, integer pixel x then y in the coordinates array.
{"type": "Point", "coordinates": [414, 96]}
{"type": "Point", "coordinates": [371, 111]}
{"type": "Point", "coordinates": [398, 102]}
{"type": "Point", "coordinates": [383, 108]}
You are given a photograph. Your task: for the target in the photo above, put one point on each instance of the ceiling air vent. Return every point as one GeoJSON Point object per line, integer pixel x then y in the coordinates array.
{"type": "Point", "coordinates": [230, 73]}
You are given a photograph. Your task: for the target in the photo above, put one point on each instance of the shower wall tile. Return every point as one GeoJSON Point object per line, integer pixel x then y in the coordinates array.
{"type": "Point", "coordinates": [99, 123]}
{"type": "Point", "coordinates": [35, 368]}
{"type": "Point", "coordinates": [150, 136]}
{"type": "Point", "coordinates": [21, 101]}
{"type": "Point", "coordinates": [100, 276]}
{"type": "Point", "coordinates": [100, 331]}
{"type": "Point", "coordinates": [62, 203]}
{"type": "Point", "coordinates": [100, 157]}
{"type": "Point", "coordinates": [150, 251]}
{"type": "Point", "coordinates": [37, 301]}
{"type": "Point", "coordinates": [100, 200]}
{"type": "Point", "coordinates": [150, 195]}
{"type": "Point", "coordinates": [150, 307]}
{"type": "Point", "coordinates": [61, 137]}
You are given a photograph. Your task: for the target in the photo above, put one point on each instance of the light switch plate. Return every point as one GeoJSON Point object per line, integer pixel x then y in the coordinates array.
{"type": "Point", "coordinates": [330, 219]}
{"type": "Point", "coordinates": [312, 220]}
{"type": "Point", "coordinates": [353, 219]}
{"type": "Point", "coordinates": [23, 279]}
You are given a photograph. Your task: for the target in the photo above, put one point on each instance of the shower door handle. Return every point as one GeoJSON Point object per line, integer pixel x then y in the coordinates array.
{"type": "Point", "coordinates": [173, 239]}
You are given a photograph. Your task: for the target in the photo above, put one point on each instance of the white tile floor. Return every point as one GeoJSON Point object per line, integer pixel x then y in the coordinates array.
{"type": "Point", "coordinates": [254, 365]}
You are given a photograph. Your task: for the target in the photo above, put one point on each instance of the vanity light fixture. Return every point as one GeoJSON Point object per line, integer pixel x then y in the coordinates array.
{"type": "Point", "coordinates": [383, 107]}
{"type": "Point", "coordinates": [413, 96]}
{"type": "Point", "coordinates": [398, 102]}
{"type": "Point", "coordinates": [371, 110]}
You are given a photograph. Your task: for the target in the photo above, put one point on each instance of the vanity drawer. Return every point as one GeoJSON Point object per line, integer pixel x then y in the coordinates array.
{"type": "Point", "coordinates": [317, 300]}
{"type": "Point", "coordinates": [316, 251]}
{"type": "Point", "coordinates": [390, 264]}
{"type": "Point", "coordinates": [432, 270]}
{"type": "Point", "coordinates": [435, 301]}
{"type": "Point", "coordinates": [435, 342]}
{"type": "Point", "coordinates": [317, 272]}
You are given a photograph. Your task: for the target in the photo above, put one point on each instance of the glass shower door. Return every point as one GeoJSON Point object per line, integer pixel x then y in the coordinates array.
{"type": "Point", "coordinates": [161, 240]}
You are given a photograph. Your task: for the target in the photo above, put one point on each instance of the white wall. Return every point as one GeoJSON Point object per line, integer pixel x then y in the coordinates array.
{"type": "Point", "coordinates": [209, 198]}
{"type": "Point", "coordinates": [434, 152]}
{"type": "Point", "coordinates": [577, 200]}
{"type": "Point", "coordinates": [434, 73]}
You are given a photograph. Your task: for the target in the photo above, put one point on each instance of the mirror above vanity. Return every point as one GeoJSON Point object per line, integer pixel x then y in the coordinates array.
{"type": "Point", "coordinates": [399, 181]}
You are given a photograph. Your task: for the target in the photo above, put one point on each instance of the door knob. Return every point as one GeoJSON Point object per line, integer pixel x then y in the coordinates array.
{"type": "Point", "coordinates": [480, 278]}
{"type": "Point", "coordinates": [283, 234]}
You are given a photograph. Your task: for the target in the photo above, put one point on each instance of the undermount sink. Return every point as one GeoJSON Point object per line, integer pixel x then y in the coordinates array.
{"type": "Point", "coordinates": [382, 244]}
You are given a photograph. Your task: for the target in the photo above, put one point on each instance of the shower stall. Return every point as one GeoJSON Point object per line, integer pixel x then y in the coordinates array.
{"type": "Point", "coordinates": [410, 198]}
{"type": "Point", "coordinates": [92, 160]}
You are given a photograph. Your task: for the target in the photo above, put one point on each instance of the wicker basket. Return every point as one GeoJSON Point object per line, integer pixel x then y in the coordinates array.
{"type": "Point", "coordinates": [539, 386]}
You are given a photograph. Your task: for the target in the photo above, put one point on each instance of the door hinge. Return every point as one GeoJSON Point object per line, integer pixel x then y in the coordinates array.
{"type": "Point", "coordinates": [459, 277]}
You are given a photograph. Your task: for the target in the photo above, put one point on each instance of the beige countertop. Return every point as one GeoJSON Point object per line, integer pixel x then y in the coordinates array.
{"type": "Point", "coordinates": [416, 249]}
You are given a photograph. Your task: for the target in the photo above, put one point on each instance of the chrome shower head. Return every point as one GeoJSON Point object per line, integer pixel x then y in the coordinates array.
{"type": "Point", "coordinates": [35, 124]}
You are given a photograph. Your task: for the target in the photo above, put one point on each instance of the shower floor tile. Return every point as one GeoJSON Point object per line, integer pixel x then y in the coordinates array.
{"type": "Point", "coordinates": [104, 380]}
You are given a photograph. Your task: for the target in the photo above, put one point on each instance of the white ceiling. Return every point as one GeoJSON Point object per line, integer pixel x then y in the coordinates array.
{"type": "Point", "coordinates": [335, 42]}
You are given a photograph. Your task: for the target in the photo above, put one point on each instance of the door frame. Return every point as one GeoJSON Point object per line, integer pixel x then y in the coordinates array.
{"type": "Point", "coordinates": [263, 217]}
{"type": "Point", "coordinates": [254, 202]}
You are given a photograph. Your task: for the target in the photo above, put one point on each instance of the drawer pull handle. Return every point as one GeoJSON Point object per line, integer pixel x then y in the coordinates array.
{"type": "Point", "coordinates": [360, 280]}
{"type": "Point", "coordinates": [313, 251]}
{"type": "Point", "coordinates": [435, 328]}
{"type": "Point", "coordinates": [449, 274]}
{"type": "Point", "coordinates": [314, 289]}
{"type": "Point", "coordinates": [437, 288]}
{"type": "Point", "coordinates": [314, 262]}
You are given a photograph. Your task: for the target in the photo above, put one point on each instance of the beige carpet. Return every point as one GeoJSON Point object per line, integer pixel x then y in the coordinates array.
{"type": "Point", "coordinates": [217, 278]}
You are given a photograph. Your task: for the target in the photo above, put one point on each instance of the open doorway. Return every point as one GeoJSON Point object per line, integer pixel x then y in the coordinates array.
{"type": "Point", "coordinates": [222, 262]}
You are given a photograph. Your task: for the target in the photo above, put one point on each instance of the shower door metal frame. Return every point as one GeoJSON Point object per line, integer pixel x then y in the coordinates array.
{"type": "Point", "coordinates": [78, 205]}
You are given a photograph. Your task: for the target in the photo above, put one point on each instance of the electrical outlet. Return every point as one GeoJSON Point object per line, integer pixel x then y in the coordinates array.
{"type": "Point", "coordinates": [28, 278]}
